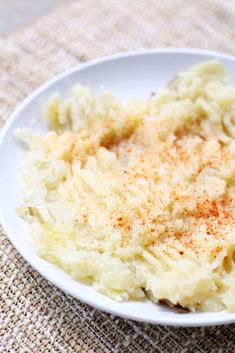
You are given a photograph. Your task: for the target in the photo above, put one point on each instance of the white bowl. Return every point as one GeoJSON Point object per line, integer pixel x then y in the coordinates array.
{"type": "Point", "coordinates": [128, 75]}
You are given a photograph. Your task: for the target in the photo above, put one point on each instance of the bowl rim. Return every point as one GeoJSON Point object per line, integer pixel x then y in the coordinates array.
{"type": "Point", "coordinates": [188, 320]}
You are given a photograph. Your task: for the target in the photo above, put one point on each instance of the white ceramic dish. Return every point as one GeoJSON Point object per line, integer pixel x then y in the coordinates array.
{"type": "Point", "coordinates": [128, 75]}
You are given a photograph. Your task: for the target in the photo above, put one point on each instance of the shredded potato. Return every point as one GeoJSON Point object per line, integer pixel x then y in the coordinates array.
{"type": "Point", "coordinates": [139, 198]}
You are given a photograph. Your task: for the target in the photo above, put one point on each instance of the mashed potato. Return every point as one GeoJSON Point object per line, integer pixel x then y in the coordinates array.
{"type": "Point", "coordinates": [139, 199]}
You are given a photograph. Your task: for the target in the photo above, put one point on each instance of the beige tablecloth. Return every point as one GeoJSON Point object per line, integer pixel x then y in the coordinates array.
{"type": "Point", "coordinates": [34, 315]}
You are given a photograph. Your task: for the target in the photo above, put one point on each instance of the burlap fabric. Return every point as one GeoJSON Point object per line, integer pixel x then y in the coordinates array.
{"type": "Point", "coordinates": [35, 316]}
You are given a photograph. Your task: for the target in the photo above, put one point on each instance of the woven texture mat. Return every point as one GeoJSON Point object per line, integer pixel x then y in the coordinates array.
{"type": "Point", "coordinates": [34, 315]}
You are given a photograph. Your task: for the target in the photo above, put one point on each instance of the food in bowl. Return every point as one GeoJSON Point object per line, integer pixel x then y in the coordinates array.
{"type": "Point", "coordinates": [138, 199]}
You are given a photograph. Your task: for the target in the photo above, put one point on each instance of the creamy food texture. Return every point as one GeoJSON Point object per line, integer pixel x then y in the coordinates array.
{"type": "Point", "coordinates": [139, 198]}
